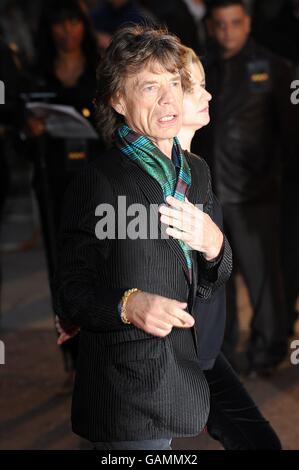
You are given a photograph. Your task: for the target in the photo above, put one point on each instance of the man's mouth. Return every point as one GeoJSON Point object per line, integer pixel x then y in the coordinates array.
{"type": "Point", "coordinates": [168, 118]}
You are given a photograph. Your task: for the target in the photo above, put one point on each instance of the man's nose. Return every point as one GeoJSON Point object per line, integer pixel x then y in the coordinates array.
{"type": "Point", "coordinates": [228, 31]}
{"type": "Point", "coordinates": [167, 95]}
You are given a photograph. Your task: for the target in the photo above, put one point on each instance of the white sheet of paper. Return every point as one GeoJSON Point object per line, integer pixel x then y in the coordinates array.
{"type": "Point", "coordinates": [63, 121]}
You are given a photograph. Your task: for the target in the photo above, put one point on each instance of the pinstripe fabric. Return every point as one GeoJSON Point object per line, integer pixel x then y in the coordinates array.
{"type": "Point", "coordinates": [130, 385]}
{"type": "Point", "coordinates": [142, 150]}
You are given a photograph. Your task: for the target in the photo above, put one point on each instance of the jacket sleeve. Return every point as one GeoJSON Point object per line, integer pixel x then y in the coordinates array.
{"type": "Point", "coordinates": [212, 274]}
{"type": "Point", "coordinates": [79, 297]}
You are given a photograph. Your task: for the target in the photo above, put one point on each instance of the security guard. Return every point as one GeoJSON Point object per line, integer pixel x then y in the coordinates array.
{"type": "Point", "coordinates": [253, 126]}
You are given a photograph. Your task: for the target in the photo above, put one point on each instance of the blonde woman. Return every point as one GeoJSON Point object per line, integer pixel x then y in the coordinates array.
{"type": "Point", "coordinates": [234, 418]}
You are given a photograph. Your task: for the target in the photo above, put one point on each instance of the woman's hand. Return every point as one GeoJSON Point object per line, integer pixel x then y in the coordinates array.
{"type": "Point", "coordinates": [190, 224]}
{"type": "Point", "coordinates": [65, 333]}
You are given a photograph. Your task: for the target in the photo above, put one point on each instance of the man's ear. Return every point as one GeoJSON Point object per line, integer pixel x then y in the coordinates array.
{"type": "Point", "coordinates": [117, 103]}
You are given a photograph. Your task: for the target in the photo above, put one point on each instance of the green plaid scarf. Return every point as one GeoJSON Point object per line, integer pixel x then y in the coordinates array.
{"type": "Point", "coordinates": [142, 150]}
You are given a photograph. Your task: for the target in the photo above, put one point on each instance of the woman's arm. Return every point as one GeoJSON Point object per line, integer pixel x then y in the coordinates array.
{"type": "Point", "coordinates": [212, 274]}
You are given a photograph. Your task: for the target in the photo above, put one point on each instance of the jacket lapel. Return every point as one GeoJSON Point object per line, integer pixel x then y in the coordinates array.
{"type": "Point", "coordinates": [153, 193]}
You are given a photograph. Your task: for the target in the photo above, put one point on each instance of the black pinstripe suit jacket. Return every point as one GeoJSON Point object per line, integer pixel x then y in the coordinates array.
{"type": "Point", "coordinates": [131, 385]}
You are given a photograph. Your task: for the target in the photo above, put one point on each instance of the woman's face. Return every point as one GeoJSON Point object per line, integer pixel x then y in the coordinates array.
{"type": "Point", "coordinates": [196, 102]}
{"type": "Point", "coordinates": [68, 34]}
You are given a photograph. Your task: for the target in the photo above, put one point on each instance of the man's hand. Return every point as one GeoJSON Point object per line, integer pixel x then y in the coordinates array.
{"type": "Point", "coordinates": [193, 226]}
{"type": "Point", "coordinates": [157, 315]}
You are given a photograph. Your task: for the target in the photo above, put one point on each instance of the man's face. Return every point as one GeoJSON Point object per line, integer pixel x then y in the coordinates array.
{"type": "Point", "coordinates": [151, 102]}
{"type": "Point", "coordinates": [230, 26]}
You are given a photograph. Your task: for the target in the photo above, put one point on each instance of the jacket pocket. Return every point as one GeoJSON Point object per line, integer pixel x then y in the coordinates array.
{"type": "Point", "coordinates": [132, 351]}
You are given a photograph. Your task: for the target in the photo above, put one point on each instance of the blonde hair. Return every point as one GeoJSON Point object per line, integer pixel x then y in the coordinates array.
{"type": "Point", "coordinates": [192, 58]}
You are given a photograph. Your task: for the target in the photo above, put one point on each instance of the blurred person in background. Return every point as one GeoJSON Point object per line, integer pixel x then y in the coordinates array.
{"type": "Point", "coordinates": [9, 76]}
{"type": "Point", "coordinates": [253, 128]}
{"type": "Point", "coordinates": [16, 31]}
{"type": "Point", "coordinates": [112, 14]}
{"type": "Point", "coordinates": [197, 9]}
{"type": "Point", "coordinates": [66, 67]}
{"type": "Point", "coordinates": [278, 29]}
{"type": "Point", "coordinates": [276, 25]}
{"type": "Point", "coordinates": [8, 112]}
{"type": "Point", "coordinates": [180, 19]}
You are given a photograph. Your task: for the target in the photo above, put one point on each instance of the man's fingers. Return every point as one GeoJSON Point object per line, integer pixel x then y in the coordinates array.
{"type": "Point", "coordinates": [178, 234]}
{"type": "Point", "coordinates": [181, 219]}
{"type": "Point", "coordinates": [186, 224]}
{"type": "Point", "coordinates": [184, 317]}
{"type": "Point", "coordinates": [178, 323]}
{"type": "Point", "coordinates": [162, 323]}
{"type": "Point", "coordinates": [182, 305]}
{"type": "Point", "coordinates": [188, 202]}
{"type": "Point", "coordinates": [176, 314]}
{"type": "Point", "coordinates": [158, 332]}
{"type": "Point", "coordinates": [158, 315]}
{"type": "Point", "coordinates": [169, 321]}
{"type": "Point", "coordinates": [181, 318]}
{"type": "Point", "coordinates": [172, 213]}
{"type": "Point", "coordinates": [182, 205]}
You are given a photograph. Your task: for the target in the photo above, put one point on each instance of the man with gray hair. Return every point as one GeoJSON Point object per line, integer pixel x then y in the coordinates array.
{"type": "Point", "coordinates": [138, 381]}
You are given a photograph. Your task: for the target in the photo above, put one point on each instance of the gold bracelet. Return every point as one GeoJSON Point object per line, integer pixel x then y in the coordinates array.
{"type": "Point", "coordinates": [124, 302]}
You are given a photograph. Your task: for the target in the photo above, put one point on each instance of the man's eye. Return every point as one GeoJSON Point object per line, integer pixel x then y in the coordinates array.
{"type": "Point", "coordinates": [149, 88]}
{"type": "Point", "coordinates": [175, 84]}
